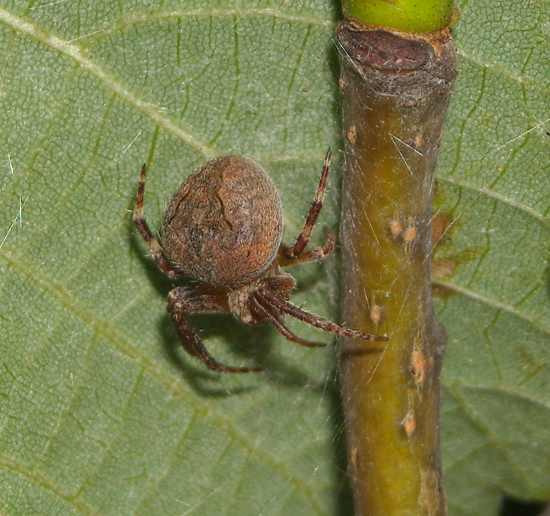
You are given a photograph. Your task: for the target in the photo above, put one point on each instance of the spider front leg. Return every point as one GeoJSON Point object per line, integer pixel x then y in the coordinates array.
{"type": "Point", "coordinates": [295, 254]}
{"type": "Point", "coordinates": [311, 256]}
{"type": "Point", "coordinates": [278, 302]}
{"type": "Point", "coordinates": [196, 299]}
{"type": "Point", "coordinates": [139, 219]}
{"type": "Point", "coordinates": [262, 308]}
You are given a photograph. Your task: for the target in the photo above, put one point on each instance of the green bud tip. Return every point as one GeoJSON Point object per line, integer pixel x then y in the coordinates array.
{"type": "Point", "coordinates": [405, 15]}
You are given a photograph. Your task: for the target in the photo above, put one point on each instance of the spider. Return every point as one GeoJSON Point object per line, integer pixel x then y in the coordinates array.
{"type": "Point", "coordinates": [223, 228]}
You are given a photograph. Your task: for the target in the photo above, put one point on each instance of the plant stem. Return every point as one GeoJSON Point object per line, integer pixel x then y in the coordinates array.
{"type": "Point", "coordinates": [395, 89]}
{"type": "Point", "coordinates": [407, 15]}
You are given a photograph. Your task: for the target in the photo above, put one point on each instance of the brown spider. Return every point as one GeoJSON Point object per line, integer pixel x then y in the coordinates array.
{"type": "Point", "coordinates": [223, 227]}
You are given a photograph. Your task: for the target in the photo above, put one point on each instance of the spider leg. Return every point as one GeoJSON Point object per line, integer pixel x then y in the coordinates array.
{"type": "Point", "coordinates": [194, 299]}
{"type": "Point", "coordinates": [303, 238]}
{"type": "Point", "coordinates": [311, 256]}
{"type": "Point", "coordinates": [292, 310]}
{"type": "Point", "coordinates": [139, 219]}
{"type": "Point", "coordinates": [257, 303]}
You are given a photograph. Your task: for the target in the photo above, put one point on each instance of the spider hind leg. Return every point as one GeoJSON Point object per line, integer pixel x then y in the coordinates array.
{"type": "Point", "coordinates": [195, 299]}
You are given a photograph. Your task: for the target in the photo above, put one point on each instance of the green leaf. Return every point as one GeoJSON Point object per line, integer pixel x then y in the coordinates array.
{"type": "Point", "coordinates": [494, 182]}
{"type": "Point", "coordinates": [101, 411]}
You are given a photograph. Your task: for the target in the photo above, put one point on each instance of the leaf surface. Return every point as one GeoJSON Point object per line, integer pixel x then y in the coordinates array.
{"type": "Point", "coordinates": [101, 412]}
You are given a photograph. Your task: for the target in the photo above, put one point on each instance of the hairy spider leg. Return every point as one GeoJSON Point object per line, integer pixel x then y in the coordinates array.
{"type": "Point", "coordinates": [199, 299]}
{"type": "Point", "coordinates": [303, 238]}
{"type": "Point", "coordinates": [283, 305]}
{"type": "Point", "coordinates": [139, 219]}
{"type": "Point", "coordinates": [311, 256]}
{"type": "Point", "coordinates": [258, 304]}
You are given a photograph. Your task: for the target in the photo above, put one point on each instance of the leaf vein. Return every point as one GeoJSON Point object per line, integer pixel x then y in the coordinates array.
{"type": "Point", "coordinates": [78, 54]}
{"type": "Point", "coordinates": [213, 12]}
{"type": "Point", "coordinates": [545, 328]}
{"type": "Point", "coordinates": [47, 484]}
{"type": "Point", "coordinates": [451, 179]}
{"type": "Point", "coordinates": [489, 435]}
{"type": "Point", "coordinates": [516, 77]}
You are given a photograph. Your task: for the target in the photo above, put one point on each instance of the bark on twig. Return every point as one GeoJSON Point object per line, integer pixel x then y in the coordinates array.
{"type": "Point", "coordinates": [395, 92]}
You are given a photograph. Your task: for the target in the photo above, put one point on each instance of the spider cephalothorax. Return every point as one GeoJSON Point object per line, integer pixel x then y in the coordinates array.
{"type": "Point", "coordinates": [223, 227]}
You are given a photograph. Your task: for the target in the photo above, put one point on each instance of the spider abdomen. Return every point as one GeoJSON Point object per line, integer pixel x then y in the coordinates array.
{"type": "Point", "coordinates": [224, 223]}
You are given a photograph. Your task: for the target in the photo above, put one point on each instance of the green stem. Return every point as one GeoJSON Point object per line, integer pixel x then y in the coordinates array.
{"type": "Point", "coordinates": [405, 15]}
{"type": "Point", "coordinates": [395, 91]}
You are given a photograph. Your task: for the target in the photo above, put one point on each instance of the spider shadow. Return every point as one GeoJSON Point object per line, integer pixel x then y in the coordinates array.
{"type": "Point", "coordinates": [252, 344]}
